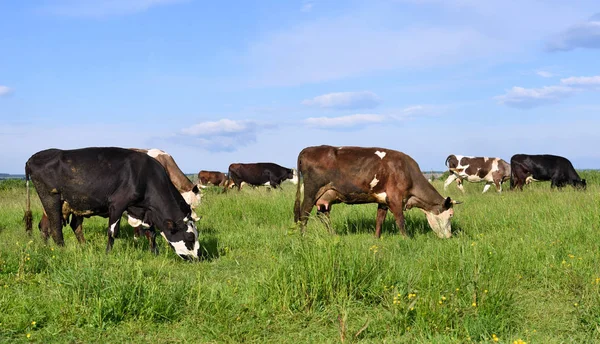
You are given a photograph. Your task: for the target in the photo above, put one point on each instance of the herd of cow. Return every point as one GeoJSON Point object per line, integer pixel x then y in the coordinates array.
{"type": "Point", "coordinates": [150, 188]}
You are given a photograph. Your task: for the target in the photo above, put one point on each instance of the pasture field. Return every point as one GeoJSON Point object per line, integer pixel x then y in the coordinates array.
{"type": "Point", "coordinates": [520, 266]}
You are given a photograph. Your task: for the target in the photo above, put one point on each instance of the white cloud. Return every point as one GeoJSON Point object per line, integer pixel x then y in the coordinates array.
{"type": "Point", "coordinates": [5, 90]}
{"type": "Point", "coordinates": [526, 98]}
{"type": "Point", "coordinates": [544, 74]}
{"type": "Point", "coordinates": [582, 35]}
{"type": "Point", "coordinates": [102, 8]}
{"type": "Point", "coordinates": [307, 6]}
{"type": "Point", "coordinates": [344, 121]}
{"type": "Point", "coordinates": [582, 81]}
{"type": "Point", "coordinates": [222, 135]}
{"type": "Point", "coordinates": [219, 128]}
{"type": "Point", "coordinates": [345, 100]}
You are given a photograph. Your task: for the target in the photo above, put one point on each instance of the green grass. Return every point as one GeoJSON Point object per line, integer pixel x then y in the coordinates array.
{"type": "Point", "coordinates": [521, 265]}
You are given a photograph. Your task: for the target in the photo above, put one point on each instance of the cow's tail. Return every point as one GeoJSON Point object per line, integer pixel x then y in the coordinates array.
{"type": "Point", "coordinates": [299, 194]}
{"type": "Point", "coordinates": [448, 159]}
{"type": "Point", "coordinates": [227, 181]}
{"type": "Point", "coordinates": [28, 217]}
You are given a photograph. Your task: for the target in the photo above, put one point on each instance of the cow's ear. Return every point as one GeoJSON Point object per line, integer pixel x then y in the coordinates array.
{"type": "Point", "coordinates": [195, 189]}
{"type": "Point", "coordinates": [448, 203]}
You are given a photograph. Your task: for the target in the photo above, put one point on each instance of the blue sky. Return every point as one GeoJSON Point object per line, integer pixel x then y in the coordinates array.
{"type": "Point", "coordinates": [245, 81]}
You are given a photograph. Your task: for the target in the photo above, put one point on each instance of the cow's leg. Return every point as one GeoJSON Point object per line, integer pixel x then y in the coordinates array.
{"type": "Point", "coordinates": [323, 213]}
{"type": "Point", "coordinates": [459, 184]}
{"type": "Point", "coordinates": [396, 205]}
{"type": "Point", "coordinates": [498, 184]}
{"type": "Point", "coordinates": [138, 231]}
{"type": "Point", "coordinates": [151, 235]}
{"type": "Point", "coordinates": [77, 227]}
{"type": "Point", "coordinates": [308, 202]}
{"type": "Point", "coordinates": [486, 187]}
{"type": "Point", "coordinates": [44, 226]}
{"type": "Point", "coordinates": [381, 213]}
{"type": "Point", "coordinates": [114, 220]}
{"type": "Point", "coordinates": [449, 181]}
{"type": "Point", "coordinates": [53, 208]}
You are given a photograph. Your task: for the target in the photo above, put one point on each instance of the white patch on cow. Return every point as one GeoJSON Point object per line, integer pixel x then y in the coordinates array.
{"type": "Point", "coordinates": [381, 197]}
{"type": "Point", "coordinates": [294, 179]}
{"type": "Point", "coordinates": [530, 179]}
{"type": "Point", "coordinates": [191, 198]}
{"type": "Point", "coordinates": [112, 229]}
{"type": "Point", "coordinates": [485, 159]}
{"type": "Point", "coordinates": [440, 224]}
{"type": "Point", "coordinates": [340, 147]}
{"type": "Point", "coordinates": [374, 182]}
{"type": "Point", "coordinates": [133, 222]}
{"type": "Point", "coordinates": [381, 155]}
{"type": "Point", "coordinates": [179, 246]}
{"type": "Point", "coordinates": [155, 152]}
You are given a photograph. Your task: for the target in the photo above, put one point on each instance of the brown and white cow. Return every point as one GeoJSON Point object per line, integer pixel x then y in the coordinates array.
{"type": "Point", "coordinates": [190, 192]}
{"type": "Point", "coordinates": [477, 169]}
{"type": "Point", "coordinates": [355, 175]}
{"type": "Point", "coordinates": [213, 177]}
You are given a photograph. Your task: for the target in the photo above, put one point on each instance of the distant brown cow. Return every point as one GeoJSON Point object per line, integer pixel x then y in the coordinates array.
{"type": "Point", "coordinates": [355, 175]}
{"type": "Point", "coordinates": [476, 169]}
{"type": "Point", "coordinates": [213, 177]}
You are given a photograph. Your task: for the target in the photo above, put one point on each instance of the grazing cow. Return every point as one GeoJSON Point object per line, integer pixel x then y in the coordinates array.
{"type": "Point", "coordinates": [106, 181]}
{"type": "Point", "coordinates": [476, 169]}
{"type": "Point", "coordinates": [527, 168]}
{"type": "Point", "coordinates": [189, 191]}
{"type": "Point", "coordinates": [355, 175]}
{"type": "Point", "coordinates": [213, 177]}
{"type": "Point", "coordinates": [257, 174]}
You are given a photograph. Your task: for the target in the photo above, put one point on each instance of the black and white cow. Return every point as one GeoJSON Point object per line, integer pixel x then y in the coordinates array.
{"type": "Point", "coordinates": [257, 174]}
{"type": "Point", "coordinates": [107, 181]}
{"type": "Point", "coordinates": [477, 169]}
{"type": "Point", "coordinates": [527, 168]}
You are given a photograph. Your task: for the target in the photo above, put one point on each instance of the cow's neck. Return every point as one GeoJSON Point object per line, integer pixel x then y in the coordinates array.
{"type": "Point", "coordinates": [426, 197]}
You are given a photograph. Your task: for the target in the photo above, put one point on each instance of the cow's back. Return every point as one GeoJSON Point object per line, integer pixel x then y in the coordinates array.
{"type": "Point", "coordinates": [87, 177]}
{"type": "Point", "coordinates": [336, 164]}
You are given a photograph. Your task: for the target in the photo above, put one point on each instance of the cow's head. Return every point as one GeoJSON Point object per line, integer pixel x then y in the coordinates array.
{"type": "Point", "coordinates": [294, 176]}
{"type": "Point", "coordinates": [439, 220]}
{"type": "Point", "coordinates": [193, 197]}
{"type": "Point", "coordinates": [580, 184]}
{"type": "Point", "coordinates": [182, 236]}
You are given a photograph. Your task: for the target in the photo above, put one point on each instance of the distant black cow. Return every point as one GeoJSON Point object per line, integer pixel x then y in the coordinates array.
{"type": "Point", "coordinates": [527, 168]}
{"type": "Point", "coordinates": [256, 174]}
{"type": "Point", "coordinates": [107, 182]}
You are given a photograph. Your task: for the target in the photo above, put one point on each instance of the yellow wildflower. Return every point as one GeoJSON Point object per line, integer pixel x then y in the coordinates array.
{"type": "Point", "coordinates": [519, 341]}
{"type": "Point", "coordinates": [571, 256]}
{"type": "Point", "coordinates": [28, 335]}
{"type": "Point", "coordinates": [494, 337]}
{"type": "Point", "coordinates": [33, 323]}
{"type": "Point", "coordinates": [443, 298]}
{"type": "Point", "coordinates": [474, 304]}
